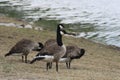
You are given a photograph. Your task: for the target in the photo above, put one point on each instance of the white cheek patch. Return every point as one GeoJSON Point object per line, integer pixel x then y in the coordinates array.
{"type": "Point", "coordinates": [61, 27]}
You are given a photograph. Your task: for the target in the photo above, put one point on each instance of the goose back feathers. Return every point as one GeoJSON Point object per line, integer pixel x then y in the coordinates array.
{"type": "Point", "coordinates": [23, 48]}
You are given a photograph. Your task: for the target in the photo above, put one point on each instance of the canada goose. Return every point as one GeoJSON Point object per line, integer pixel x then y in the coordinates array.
{"type": "Point", "coordinates": [72, 52]}
{"type": "Point", "coordinates": [23, 48]}
{"type": "Point", "coordinates": [53, 52]}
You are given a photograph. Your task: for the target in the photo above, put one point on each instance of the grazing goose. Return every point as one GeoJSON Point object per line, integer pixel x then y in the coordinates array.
{"type": "Point", "coordinates": [53, 52]}
{"type": "Point", "coordinates": [73, 52]}
{"type": "Point", "coordinates": [23, 48]}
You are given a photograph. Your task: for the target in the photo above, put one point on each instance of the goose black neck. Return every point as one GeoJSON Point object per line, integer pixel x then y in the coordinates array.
{"type": "Point", "coordinates": [59, 37]}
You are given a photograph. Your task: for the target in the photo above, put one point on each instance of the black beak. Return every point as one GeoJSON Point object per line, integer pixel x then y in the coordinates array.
{"type": "Point", "coordinates": [65, 32]}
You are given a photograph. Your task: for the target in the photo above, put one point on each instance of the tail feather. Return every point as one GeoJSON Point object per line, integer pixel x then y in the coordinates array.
{"type": "Point", "coordinates": [38, 54]}
{"type": "Point", "coordinates": [36, 58]}
{"type": "Point", "coordinates": [42, 54]}
{"type": "Point", "coordinates": [33, 61]}
{"type": "Point", "coordinates": [8, 54]}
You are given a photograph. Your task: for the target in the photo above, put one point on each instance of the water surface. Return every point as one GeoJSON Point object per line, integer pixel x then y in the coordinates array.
{"type": "Point", "coordinates": [104, 15]}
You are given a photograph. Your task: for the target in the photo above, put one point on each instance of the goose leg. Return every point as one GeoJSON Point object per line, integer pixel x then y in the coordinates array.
{"type": "Point", "coordinates": [57, 66]}
{"type": "Point", "coordinates": [22, 58]}
{"type": "Point", "coordinates": [25, 59]}
{"type": "Point", "coordinates": [67, 65]}
{"type": "Point", "coordinates": [47, 66]}
{"type": "Point", "coordinates": [50, 65]}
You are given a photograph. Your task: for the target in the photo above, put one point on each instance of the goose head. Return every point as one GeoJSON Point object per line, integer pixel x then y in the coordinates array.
{"type": "Point", "coordinates": [38, 46]}
{"type": "Point", "coordinates": [79, 54]}
{"type": "Point", "coordinates": [64, 32]}
{"type": "Point", "coordinates": [60, 29]}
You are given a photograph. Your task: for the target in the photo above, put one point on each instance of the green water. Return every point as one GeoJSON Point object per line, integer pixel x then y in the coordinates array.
{"type": "Point", "coordinates": [51, 25]}
{"type": "Point", "coordinates": [11, 11]}
{"type": "Point", "coordinates": [14, 12]}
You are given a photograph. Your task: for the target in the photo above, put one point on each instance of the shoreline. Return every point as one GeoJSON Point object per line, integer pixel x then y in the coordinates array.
{"type": "Point", "coordinates": [100, 62]}
{"type": "Point", "coordinates": [12, 23]}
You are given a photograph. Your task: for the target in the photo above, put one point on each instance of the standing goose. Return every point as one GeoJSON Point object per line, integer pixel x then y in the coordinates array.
{"type": "Point", "coordinates": [23, 48]}
{"type": "Point", "coordinates": [48, 43]}
{"type": "Point", "coordinates": [53, 52]}
{"type": "Point", "coordinates": [72, 52]}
